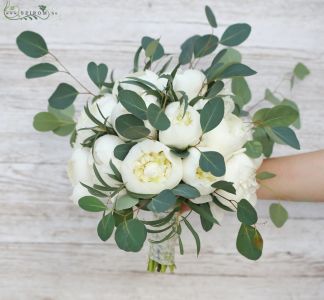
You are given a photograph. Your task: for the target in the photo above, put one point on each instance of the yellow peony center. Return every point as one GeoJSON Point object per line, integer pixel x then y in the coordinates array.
{"type": "Point", "coordinates": [204, 175]}
{"type": "Point", "coordinates": [152, 167]}
{"type": "Point", "coordinates": [183, 119]}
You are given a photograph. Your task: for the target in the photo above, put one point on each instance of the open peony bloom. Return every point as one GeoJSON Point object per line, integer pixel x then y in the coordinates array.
{"type": "Point", "coordinates": [106, 105]}
{"type": "Point", "coordinates": [185, 129]}
{"type": "Point", "coordinates": [103, 152]}
{"type": "Point", "coordinates": [192, 82]}
{"type": "Point", "coordinates": [150, 167]}
{"type": "Point", "coordinates": [146, 75]}
{"type": "Point", "coordinates": [78, 171]}
{"type": "Point", "coordinates": [241, 170]}
{"type": "Point", "coordinates": [194, 175]}
{"type": "Point", "coordinates": [119, 110]}
{"type": "Point", "coordinates": [229, 136]}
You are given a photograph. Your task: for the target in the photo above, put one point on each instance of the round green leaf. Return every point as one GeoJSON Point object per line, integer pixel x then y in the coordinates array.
{"type": "Point", "coordinates": [133, 103]}
{"type": "Point", "coordinates": [235, 34]}
{"type": "Point", "coordinates": [278, 214]}
{"type": "Point", "coordinates": [32, 44]}
{"type": "Point", "coordinates": [159, 51]}
{"type": "Point", "coordinates": [131, 235]}
{"type": "Point", "coordinates": [205, 45]}
{"type": "Point", "coordinates": [187, 50]}
{"type": "Point", "coordinates": [121, 151]}
{"type": "Point", "coordinates": [131, 127]}
{"type": "Point", "coordinates": [92, 204]}
{"type": "Point", "coordinates": [253, 149]}
{"type": "Point", "coordinates": [211, 114]}
{"type": "Point", "coordinates": [246, 213]}
{"type": "Point", "coordinates": [63, 96]}
{"type": "Point", "coordinates": [162, 202]}
{"type": "Point", "coordinates": [106, 227]}
{"type": "Point", "coordinates": [125, 202]}
{"type": "Point", "coordinates": [225, 186]}
{"type": "Point", "coordinates": [241, 88]}
{"type": "Point", "coordinates": [185, 190]}
{"type": "Point", "coordinates": [41, 70]}
{"type": "Point", "coordinates": [213, 162]}
{"type": "Point", "coordinates": [301, 71]}
{"type": "Point", "coordinates": [210, 17]}
{"type": "Point", "coordinates": [265, 175]}
{"type": "Point", "coordinates": [97, 73]}
{"type": "Point", "coordinates": [249, 242]}
{"type": "Point", "coordinates": [45, 121]}
{"type": "Point", "coordinates": [157, 117]}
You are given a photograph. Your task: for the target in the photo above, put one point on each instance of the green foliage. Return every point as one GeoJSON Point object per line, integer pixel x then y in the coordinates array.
{"type": "Point", "coordinates": [180, 153]}
{"type": "Point", "coordinates": [194, 233]}
{"type": "Point", "coordinates": [187, 50]}
{"type": "Point", "coordinates": [121, 216]}
{"type": "Point", "coordinates": [271, 97]}
{"type": "Point", "coordinates": [125, 202]}
{"type": "Point", "coordinates": [206, 225]}
{"type": "Point", "coordinates": [45, 121]}
{"type": "Point", "coordinates": [65, 117]}
{"type": "Point", "coordinates": [278, 214]}
{"type": "Point", "coordinates": [254, 149]}
{"type": "Point", "coordinates": [202, 211]}
{"type": "Point", "coordinates": [241, 90]}
{"type": "Point", "coordinates": [249, 242]}
{"type": "Point", "coordinates": [301, 71]}
{"type": "Point", "coordinates": [63, 96]}
{"type": "Point", "coordinates": [148, 42]}
{"type": "Point", "coordinates": [41, 70]}
{"type": "Point", "coordinates": [106, 227]}
{"type": "Point", "coordinates": [287, 136]}
{"type": "Point", "coordinates": [213, 162]}
{"type": "Point", "coordinates": [130, 235]}
{"type": "Point", "coordinates": [265, 175]}
{"type": "Point", "coordinates": [297, 123]}
{"type": "Point", "coordinates": [121, 151]}
{"type": "Point", "coordinates": [136, 59]}
{"type": "Point", "coordinates": [235, 34]}
{"type": "Point", "coordinates": [237, 70]}
{"type": "Point", "coordinates": [32, 44]}
{"type": "Point", "coordinates": [225, 186]}
{"type": "Point", "coordinates": [210, 17]}
{"type": "Point", "coordinates": [131, 127]}
{"type": "Point", "coordinates": [92, 204]}
{"type": "Point", "coordinates": [246, 213]}
{"type": "Point", "coordinates": [205, 45]}
{"type": "Point", "coordinates": [220, 204]}
{"type": "Point", "coordinates": [97, 73]}
{"type": "Point", "coordinates": [133, 103]}
{"type": "Point", "coordinates": [157, 117]}
{"type": "Point", "coordinates": [280, 115]}
{"type": "Point", "coordinates": [162, 202]}
{"type": "Point", "coordinates": [215, 88]}
{"type": "Point", "coordinates": [212, 114]}
{"type": "Point", "coordinates": [261, 136]}
{"type": "Point", "coordinates": [185, 190]}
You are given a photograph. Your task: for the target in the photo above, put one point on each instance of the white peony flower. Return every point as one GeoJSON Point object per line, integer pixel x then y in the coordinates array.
{"type": "Point", "coordinates": [146, 75]}
{"type": "Point", "coordinates": [103, 152]}
{"type": "Point", "coordinates": [217, 212]}
{"type": "Point", "coordinates": [119, 110]}
{"type": "Point", "coordinates": [241, 170]}
{"type": "Point", "coordinates": [185, 130]}
{"type": "Point", "coordinates": [106, 105]}
{"type": "Point", "coordinates": [229, 136]}
{"type": "Point", "coordinates": [78, 171]}
{"type": "Point", "coordinates": [192, 82]}
{"type": "Point", "coordinates": [194, 175]}
{"type": "Point", "coordinates": [150, 167]}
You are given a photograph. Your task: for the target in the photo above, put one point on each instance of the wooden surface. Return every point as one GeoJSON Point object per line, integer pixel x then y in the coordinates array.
{"type": "Point", "coordinates": [49, 248]}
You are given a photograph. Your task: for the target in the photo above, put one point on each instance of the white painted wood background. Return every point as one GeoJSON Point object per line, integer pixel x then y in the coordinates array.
{"type": "Point", "coordinates": [49, 248]}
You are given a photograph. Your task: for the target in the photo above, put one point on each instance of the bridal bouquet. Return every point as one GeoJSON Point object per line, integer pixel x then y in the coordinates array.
{"type": "Point", "coordinates": [163, 142]}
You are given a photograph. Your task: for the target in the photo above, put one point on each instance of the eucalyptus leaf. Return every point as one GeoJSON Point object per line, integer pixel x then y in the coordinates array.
{"type": "Point", "coordinates": [278, 214]}
{"type": "Point", "coordinates": [265, 175]}
{"type": "Point", "coordinates": [97, 73]}
{"type": "Point", "coordinates": [125, 202]}
{"type": "Point", "coordinates": [63, 96]}
{"type": "Point", "coordinates": [106, 227]}
{"type": "Point", "coordinates": [133, 103]}
{"type": "Point", "coordinates": [213, 162]}
{"type": "Point", "coordinates": [205, 45]}
{"type": "Point", "coordinates": [225, 186]}
{"type": "Point", "coordinates": [185, 190]}
{"type": "Point", "coordinates": [253, 148]}
{"type": "Point", "coordinates": [194, 233]}
{"type": "Point", "coordinates": [210, 17]}
{"type": "Point", "coordinates": [187, 50]}
{"type": "Point", "coordinates": [280, 115]}
{"type": "Point", "coordinates": [41, 70]}
{"type": "Point", "coordinates": [235, 34]}
{"type": "Point", "coordinates": [45, 121]}
{"type": "Point", "coordinates": [241, 88]}
{"type": "Point", "coordinates": [249, 242]}
{"type": "Point", "coordinates": [286, 136]}
{"type": "Point", "coordinates": [121, 151]}
{"type": "Point", "coordinates": [130, 235]}
{"type": "Point", "coordinates": [163, 201]}
{"type": "Point", "coordinates": [131, 127]}
{"type": "Point", "coordinates": [157, 117]}
{"type": "Point", "coordinates": [158, 53]}
{"type": "Point", "coordinates": [237, 70]}
{"type": "Point", "coordinates": [92, 204]}
{"type": "Point", "coordinates": [212, 114]}
{"type": "Point", "coordinates": [301, 71]}
{"type": "Point", "coordinates": [246, 213]}
{"type": "Point", "coordinates": [32, 44]}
